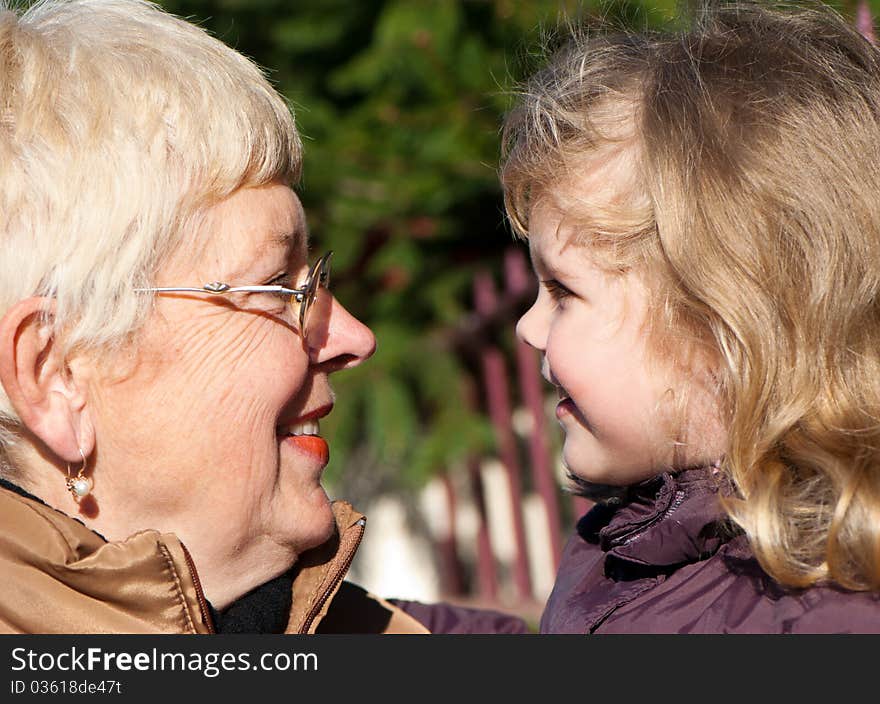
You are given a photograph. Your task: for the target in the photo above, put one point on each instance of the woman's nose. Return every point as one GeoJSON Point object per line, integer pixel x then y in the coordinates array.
{"type": "Point", "coordinates": [342, 341]}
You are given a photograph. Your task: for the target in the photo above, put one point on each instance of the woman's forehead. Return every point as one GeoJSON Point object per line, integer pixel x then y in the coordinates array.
{"type": "Point", "coordinates": [252, 229]}
{"type": "Point", "coordinates": [264, 218]}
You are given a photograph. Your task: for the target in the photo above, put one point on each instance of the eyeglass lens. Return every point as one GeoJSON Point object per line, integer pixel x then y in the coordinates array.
{"type": "Point", "coordinates": [319, 277]}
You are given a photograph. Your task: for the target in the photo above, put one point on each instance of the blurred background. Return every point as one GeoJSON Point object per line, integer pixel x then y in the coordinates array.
{"type": "Point", "coordinates": [446, 439]}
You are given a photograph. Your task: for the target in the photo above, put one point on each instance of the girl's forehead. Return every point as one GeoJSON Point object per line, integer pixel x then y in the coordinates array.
{"type": "Point", "coordinates": [598, 191]}
{"type": "Point", "coordinates": [554, 244]}
{"type": "Point", "coordinates": [598, 179]}
{"type": "Point", "coordinates": [550, 232]}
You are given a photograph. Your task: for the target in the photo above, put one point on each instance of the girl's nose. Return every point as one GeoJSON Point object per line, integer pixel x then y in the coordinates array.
{"type": "Point", "coordinates": [530, 328]}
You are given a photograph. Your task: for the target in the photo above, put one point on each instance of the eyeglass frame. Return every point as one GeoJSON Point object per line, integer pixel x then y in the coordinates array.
{"type": "Point", "coordinates": [317, 278]}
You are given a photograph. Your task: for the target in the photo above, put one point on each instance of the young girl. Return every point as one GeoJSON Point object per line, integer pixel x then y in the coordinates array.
{"type": "Point", "coordinates": [702, 209]}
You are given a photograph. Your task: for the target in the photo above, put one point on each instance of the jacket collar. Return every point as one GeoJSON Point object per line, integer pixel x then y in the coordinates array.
{"type": "Point", "coordinates": [669, 520]}
{"type": "Point", "coordinates": [65, 578]}
{"type": "Point", "coordinates": [319, 572]}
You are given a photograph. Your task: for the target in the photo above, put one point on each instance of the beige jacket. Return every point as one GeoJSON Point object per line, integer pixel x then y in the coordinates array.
{"type": "Point", "coordinates": [60, 577]}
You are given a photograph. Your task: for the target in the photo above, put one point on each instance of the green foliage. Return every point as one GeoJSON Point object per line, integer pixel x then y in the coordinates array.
{"type": "Point", "coordinates": [400, 104]}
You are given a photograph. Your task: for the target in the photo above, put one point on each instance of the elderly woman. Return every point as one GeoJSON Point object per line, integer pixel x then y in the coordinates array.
{"type": "Point", "coordinates": [165, 344]}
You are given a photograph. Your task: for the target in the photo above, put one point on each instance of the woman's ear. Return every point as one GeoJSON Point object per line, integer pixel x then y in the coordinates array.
{"type": "Point", "coordinates": [48, 400]}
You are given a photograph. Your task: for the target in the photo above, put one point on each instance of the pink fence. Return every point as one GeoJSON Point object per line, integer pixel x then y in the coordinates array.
{"type": "Point", "coordinates": [509, 379]}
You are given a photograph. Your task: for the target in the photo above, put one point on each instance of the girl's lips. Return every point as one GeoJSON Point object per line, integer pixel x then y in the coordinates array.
{"type": "Point", "coordinates": [313, 445]}
{"type": "Point", "coordinates": [565, 407]}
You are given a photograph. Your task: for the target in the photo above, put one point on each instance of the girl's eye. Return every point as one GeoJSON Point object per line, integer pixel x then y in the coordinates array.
{"type": "Point", "coordinates": [556, 290]}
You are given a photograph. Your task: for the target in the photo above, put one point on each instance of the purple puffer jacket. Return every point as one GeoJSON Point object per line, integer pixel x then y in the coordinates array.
{"type": "Point", "coordinates": [662, 563]}
{"type": "Point", "coordinates": [448, 619]}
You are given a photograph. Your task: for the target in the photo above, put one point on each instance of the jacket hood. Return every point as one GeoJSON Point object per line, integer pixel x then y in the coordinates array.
{"type": "Point", "coordinates": [669, 520]}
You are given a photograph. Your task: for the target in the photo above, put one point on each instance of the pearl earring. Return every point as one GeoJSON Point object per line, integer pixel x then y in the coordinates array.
{"type": "Point", "coordinates": [79, 486]}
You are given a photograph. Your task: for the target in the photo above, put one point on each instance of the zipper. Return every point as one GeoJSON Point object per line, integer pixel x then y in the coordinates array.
{"type": "Point", "coordinates": [677, 501]}
{"type": "Point", "coordinates": [337, 578]}
{"type": "Point", "coordinates": [200, 595]}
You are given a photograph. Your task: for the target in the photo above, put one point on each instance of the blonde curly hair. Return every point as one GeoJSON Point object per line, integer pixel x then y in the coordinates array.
{"type": "Point", "coordinates": [755, 214]}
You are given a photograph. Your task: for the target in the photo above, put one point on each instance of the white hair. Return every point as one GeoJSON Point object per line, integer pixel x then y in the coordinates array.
{"type": "Point", "coordinates": [119, 125]}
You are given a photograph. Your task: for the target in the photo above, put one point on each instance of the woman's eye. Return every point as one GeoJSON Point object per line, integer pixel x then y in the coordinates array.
{"type": "Point", "coordinates": [285, 281]}
{"type": "Point", "coordinates": [281, 280]}
{"type": "Point", "coordinates": [556, 290]}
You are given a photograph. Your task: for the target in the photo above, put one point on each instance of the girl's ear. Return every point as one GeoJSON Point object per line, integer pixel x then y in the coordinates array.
{"type": "Point", "coordinates": [49, 401]}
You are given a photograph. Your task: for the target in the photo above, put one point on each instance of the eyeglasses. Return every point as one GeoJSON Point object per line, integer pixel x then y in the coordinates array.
{"type": "Point", "coordinates": [302, 298]}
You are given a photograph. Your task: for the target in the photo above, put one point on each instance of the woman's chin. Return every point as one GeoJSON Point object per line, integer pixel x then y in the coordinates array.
{"type": "Point", "coordinates": [321, 524]}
